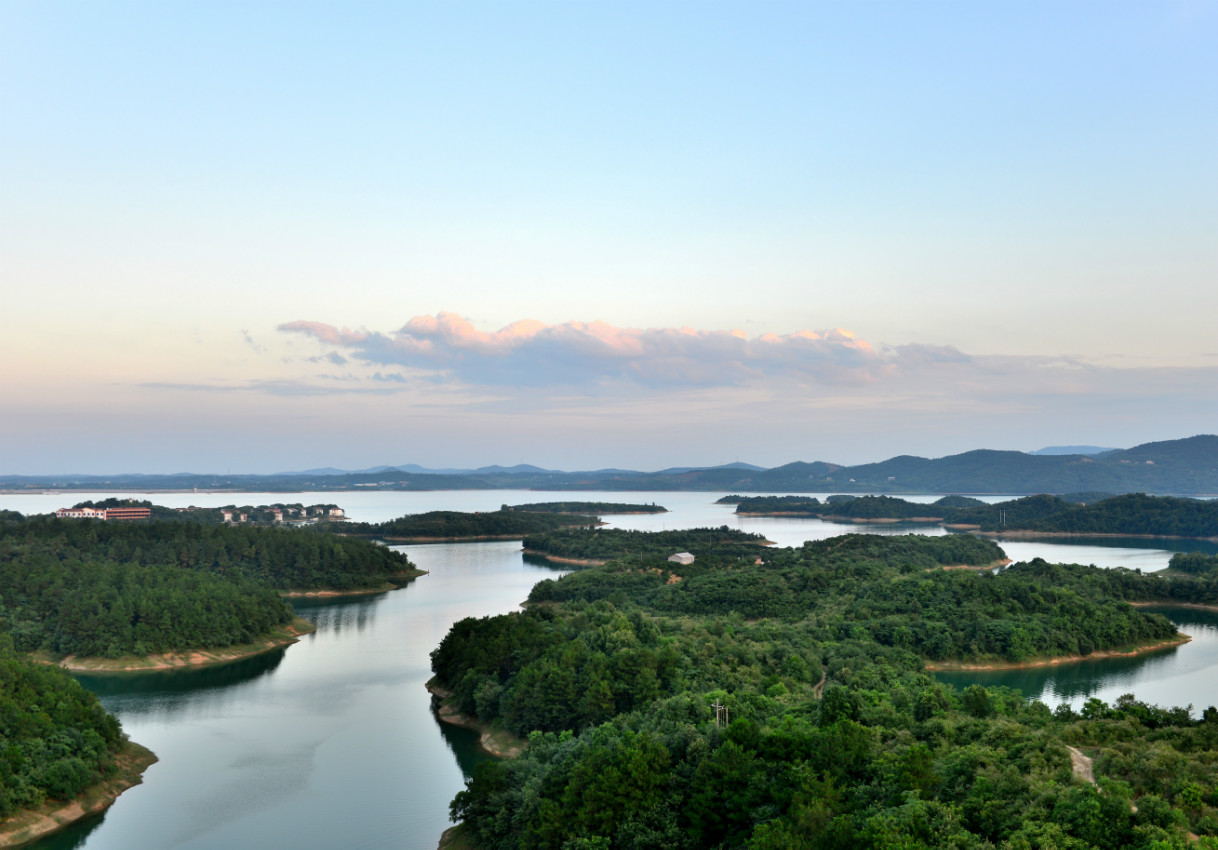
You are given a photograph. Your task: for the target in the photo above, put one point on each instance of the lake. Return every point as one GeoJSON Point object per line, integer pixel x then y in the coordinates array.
{"type": "Point", "coordinates": [332, 742]}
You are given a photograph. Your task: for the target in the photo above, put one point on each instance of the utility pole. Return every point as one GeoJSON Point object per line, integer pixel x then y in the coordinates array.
{"type": "Point", "coordinates": [720, 711]}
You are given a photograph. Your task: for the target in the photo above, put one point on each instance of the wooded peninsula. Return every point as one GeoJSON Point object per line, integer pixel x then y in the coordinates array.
{"type": "Point", "coordinates": [787, 704]}
{"type": "Point", "coordinates": [113, 595]}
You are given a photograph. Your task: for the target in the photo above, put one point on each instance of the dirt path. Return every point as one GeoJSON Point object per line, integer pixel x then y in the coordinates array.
{"type": "Point", "coordinates": [819, 688]}
{"type": "Point", "coordinates": [1082, 765]}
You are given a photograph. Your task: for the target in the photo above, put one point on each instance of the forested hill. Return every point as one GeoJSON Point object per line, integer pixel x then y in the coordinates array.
{"type": "Point", "coordinates": [784, 705]}
{"type": "Point", "coordinates": [1133, 514]}
{"type": "Point", "coordinates": [458, 525]}
{"type": "Point", "coordinates": [281, 558]}
{"type": "Point", "coordinates": [55, 738]}
{"type": "Point", "coordinates": [604, 543]}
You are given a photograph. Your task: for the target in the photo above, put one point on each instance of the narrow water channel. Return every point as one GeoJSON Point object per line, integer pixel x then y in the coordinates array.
{"type": "Point", "coordinates": [329, 743]}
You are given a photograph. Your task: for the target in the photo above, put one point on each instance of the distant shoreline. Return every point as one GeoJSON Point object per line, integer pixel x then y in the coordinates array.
{"type": "Point", "coordinates": [407, 577]}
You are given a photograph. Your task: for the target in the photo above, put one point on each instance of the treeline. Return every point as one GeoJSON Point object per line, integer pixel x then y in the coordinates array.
{"type": "Point", "coordinates": [282, 558]}
{"type": "Point", "coordinates": [457, 524]}
{"type": "Point", "coordinates": [55, 738]}
{"type": "Point", "coordinates": [604, 543]}
{"type": "Point", "coordinates": [853, 507]}
{"type": "Point", "coordinates": [708, 726]}
{"type": "Point", "coordinates": [1135, 513]}
{"type": "Point", "coordinates": [594, 508]}
{"type": "Point", "coordinates": [1196, 563]}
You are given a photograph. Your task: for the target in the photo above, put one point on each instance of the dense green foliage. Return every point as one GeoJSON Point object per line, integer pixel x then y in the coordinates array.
{"type": "Point", "coordinates": [283, 558]}
{"type": "Point", "coordinates": [836, 739]}
{"type": "Point", "coordinates": [55, 738]}
{"type": "Point", "coordinates": [97, 608]}
{"type": "Point", "coordinates": [603, 543]}
{"type": "Point", "coordinates": [1135, 513]}
{"type": "Point", "coordinates": [588, 508]}
{"type": "Point", "coordinates": [958, 502]}
{"type": "Point", "coordinates": [454, 524]}
{"type": "Point", "coordinates": [785, 505]}
{"type": "Point", "coordinates": [1087, 497]}
{"type": "Point", "coordinates": [1196, 563]}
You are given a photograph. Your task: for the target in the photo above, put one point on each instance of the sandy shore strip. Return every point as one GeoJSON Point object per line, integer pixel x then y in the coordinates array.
{"type": "Point", "coordinates": [957, 666]}
{"type": "Point", "coordinates": [579, 562]}
{"type": "Point", "coordinates": [280, 637]}
{"type": "Point", "coordinates": [406, 577]}
{"type": "Point", "coordinates": [497, 742]}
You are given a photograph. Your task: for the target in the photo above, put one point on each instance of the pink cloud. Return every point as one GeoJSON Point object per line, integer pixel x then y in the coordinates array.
{"type": "Point", "coordinates": [532, 353]}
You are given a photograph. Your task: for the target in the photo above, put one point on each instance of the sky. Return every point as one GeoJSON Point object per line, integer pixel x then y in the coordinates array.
{"type": "Point", "coordinates": [260, 236]}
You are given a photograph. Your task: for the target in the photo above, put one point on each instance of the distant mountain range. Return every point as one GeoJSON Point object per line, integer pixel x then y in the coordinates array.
{"type": "Point", "coordinates": [1073, 450]}
{"type": "Point", "coordinates": [1184, 467]}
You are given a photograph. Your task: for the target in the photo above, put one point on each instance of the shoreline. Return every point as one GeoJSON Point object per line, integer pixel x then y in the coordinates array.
{"type": "Point", "coordinates": [29, 825]}
{"type": "Point", "coordinates": [498, 743]}
{"type": "Point", "coordinates": [558, 559]}
{"type": "Point", "coordinates": [361, 591]}
{"type": "Point", "coordinates": [468, 538]}
{"type": "Point", "coordinates": [1197, 606]}
{"type": "Point", "coordinates": [192, 659]}
{"type": "Point", "coordinates": [958, 667]}
{"type": "Point", "coordinates": [992, 565]}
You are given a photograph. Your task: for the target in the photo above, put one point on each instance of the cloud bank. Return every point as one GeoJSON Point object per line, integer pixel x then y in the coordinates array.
{"type": "Point", "coordinates": [529, 353]}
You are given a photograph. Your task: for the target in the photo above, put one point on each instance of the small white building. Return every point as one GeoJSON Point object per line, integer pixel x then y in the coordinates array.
{"type": "Point", "coordinates": [681, 558]}
{"type": "Point", "coordinates": [226, 515]}
{"type": "Point", "coordinates": [81, 513]}
{"type": "Point", "coordinates": [336, 512]}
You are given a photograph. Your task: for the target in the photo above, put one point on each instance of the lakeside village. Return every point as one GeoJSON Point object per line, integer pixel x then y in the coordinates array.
{"type": "Point", "coordinates": [112, 510]}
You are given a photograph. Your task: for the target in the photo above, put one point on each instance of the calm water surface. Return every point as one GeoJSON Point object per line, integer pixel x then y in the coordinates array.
{"type": "Point", "coordinates": [332, 741]}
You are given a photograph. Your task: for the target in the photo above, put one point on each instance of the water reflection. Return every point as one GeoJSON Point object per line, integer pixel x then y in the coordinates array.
{"type": "Point", "coordinates": [463, 743]}
{"type": "Point", "coordinates": [165, 683]}
{"type": "Point", "coordinates": [338, 613]}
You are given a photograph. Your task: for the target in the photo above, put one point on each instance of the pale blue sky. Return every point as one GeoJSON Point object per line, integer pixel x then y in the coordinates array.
{"type": "Point", "coordinates": [1034, 185]}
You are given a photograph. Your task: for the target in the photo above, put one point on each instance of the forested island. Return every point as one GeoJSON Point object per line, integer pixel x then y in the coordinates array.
{"type": "Point", "coordinates": [593, 508]}
{"type": "Point", "coordinates": [1081, 514]}
{"type": "Point", "coordinates": [787, 704]}
{"type": "Point", "coordinates": [459, 526]}
{"type": "Point", "coordinates": [84, 589]}
{"type": "Point", "coordinates": [595, 546]}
